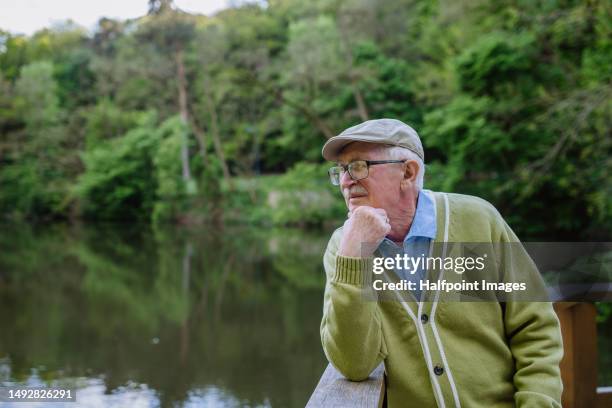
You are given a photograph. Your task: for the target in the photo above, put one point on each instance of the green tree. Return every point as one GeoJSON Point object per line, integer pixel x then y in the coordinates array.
{"type": "Point", "coordinates": [36, 90]}
{"type": "Point", "coordinates": [37, 171]}
{"type": "Point", "coordinates": [119, 179]}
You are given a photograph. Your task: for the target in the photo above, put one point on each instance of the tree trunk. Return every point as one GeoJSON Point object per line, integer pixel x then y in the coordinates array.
{"type": "Point", "coordinates": [201, 138]}
{"type": "Point", "coordinates": [214, 131]}
{"type": "Point", "coordinates": [309, 113]}
{"type": "Point", "coordinates": [361, 106]}
{"type": "Point", "coordinates": [350, 62]}
{"type": "Point", "coordinates": [182, 96]}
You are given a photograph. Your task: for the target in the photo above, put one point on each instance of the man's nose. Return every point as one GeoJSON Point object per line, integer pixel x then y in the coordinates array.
{"type": "Point", "coordinates": [346, 180]}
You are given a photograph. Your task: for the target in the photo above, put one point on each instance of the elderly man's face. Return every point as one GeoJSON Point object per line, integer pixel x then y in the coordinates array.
{"type": "Point", "coordinates": [381, 189]}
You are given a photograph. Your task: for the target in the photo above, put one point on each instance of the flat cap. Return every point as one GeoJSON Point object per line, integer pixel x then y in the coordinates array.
{"type": "Point", "coordinates": [391, 132]}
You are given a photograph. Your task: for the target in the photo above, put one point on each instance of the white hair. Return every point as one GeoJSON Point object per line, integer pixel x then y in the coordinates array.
{"type": "Point", "coordinates": [401, 153]}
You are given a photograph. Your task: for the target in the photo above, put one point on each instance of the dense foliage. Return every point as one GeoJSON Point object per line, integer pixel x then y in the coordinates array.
{"type": "Point", "coordinates": [175, 116]}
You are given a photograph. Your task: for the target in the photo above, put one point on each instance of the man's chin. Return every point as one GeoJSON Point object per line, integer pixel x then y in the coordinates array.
{"type": "Point", "coordinates": [356, 202]}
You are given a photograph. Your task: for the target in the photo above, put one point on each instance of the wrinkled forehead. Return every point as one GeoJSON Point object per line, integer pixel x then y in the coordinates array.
{"type": "Point", "coordinates": [361, 151]}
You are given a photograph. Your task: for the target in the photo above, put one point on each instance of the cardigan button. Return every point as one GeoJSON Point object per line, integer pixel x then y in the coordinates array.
{"type": "Point", "coordinates": [438, 370]}
{"type": "Point", "coordinates": [424, 318]}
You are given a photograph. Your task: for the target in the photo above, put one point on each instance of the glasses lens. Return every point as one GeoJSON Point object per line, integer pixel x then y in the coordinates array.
{"type": "Point", "coordinates": [358, 169]}
{"type": "Point", "coordinates": [334, 175]}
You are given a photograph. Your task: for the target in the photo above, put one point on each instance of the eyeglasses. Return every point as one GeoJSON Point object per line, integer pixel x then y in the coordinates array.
{"type": "Point", "coordinates": [358, 169]}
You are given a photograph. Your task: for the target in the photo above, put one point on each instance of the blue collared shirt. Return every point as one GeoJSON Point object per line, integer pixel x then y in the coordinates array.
{"type": "Point", "coordinates": [417, 241]}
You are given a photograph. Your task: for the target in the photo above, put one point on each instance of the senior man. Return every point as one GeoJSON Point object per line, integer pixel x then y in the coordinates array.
{"type": "Point", "coordinates": [471, 354]}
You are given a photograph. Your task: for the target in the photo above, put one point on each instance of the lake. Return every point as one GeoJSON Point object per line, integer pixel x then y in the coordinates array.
{"type": "Point", "coordinates": [138, 316]}
{"type": "Point", "coordinates": [143, 317]}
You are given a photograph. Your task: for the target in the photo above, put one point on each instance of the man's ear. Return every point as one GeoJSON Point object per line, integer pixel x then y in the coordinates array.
{"type": "Point", "coordinates": [411, 171]}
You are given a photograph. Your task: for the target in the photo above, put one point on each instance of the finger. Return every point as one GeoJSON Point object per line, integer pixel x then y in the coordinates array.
{"type": "Point", "coordinates": [387, 221]}
{"type": "Point", "coordinates": [382, 215]}
{"type": "Point", "coordinates": [380, 211]}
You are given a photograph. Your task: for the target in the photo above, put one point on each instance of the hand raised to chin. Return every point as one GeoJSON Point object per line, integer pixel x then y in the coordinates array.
{"type": "Point", "coordinates": [364, 225]}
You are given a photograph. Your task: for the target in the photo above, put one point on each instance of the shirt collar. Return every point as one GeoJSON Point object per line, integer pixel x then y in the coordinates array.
{"type": "Point", "coordinates": [424, 221]}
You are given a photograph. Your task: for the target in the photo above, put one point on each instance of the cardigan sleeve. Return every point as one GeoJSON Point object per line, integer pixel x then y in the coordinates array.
{"type": "Point", "coordinates": [351, 331]}
{"type": "Point", "coordinates": [533, 333]}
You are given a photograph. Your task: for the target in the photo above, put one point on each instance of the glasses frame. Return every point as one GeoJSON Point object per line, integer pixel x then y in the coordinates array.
{"type": "Point", "coordinates": [347, 168]}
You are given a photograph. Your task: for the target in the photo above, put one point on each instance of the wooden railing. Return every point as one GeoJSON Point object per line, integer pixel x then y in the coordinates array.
{"type": "Point", "coordinates": [334, 390]}
{"type": "Point", "coordinates": [578, 369]}
{"type": "Point", "coordinates": [579, 364]}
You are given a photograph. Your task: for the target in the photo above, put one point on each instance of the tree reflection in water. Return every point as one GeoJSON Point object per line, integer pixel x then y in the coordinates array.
{"type": "Point", "coordinates": [187, 314]}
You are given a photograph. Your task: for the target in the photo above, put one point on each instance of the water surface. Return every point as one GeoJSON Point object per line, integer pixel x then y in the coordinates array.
{"type": "Point", "coordinates": [174, 316]}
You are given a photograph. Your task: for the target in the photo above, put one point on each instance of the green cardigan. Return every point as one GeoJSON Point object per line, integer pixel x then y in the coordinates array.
{"type": "Point", "coordinates": [470, 354]}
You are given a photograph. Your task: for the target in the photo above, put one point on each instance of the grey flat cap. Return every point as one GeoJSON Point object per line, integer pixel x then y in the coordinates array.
{"type": "Point", "coordinates": [382, 131]}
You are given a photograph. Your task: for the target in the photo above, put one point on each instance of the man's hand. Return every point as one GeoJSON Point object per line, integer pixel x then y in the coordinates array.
{"type": "Point", "coordinates": [364, 225]}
